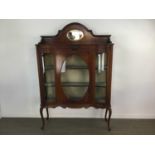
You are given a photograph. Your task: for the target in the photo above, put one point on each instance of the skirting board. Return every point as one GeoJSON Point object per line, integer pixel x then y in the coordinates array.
{"type": "Point", "coordinates": [135, 116]}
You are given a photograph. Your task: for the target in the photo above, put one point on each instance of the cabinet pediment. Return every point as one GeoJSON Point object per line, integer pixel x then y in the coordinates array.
{"type": "Point", "coordinates": [75, 33]}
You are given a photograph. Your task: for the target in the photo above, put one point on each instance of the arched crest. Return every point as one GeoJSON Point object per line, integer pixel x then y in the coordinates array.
{"type": "Point", "coordinates": [88, 37]}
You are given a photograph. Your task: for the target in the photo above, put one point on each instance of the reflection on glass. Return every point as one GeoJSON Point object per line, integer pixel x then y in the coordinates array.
{"type": "Point", "coordinates": [63, 69]}
{"type": "Point", "coordinates": [75, 35]}
{"type": "Point", "coordinates": [101, 64]}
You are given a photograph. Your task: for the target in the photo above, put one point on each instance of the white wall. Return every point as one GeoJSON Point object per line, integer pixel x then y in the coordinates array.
{"type": "Point", "coordinates": [133, 84]}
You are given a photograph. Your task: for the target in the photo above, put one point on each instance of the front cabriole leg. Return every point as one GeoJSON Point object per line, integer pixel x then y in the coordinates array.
{"type": "Point", "coordinates": [106, 115]}
{"type": "Point", "coordinates": [42, 118]}
{"type": "Point", "coordinates": [109, 118]}
{"type": "Point", "coordinates": [47, 113]}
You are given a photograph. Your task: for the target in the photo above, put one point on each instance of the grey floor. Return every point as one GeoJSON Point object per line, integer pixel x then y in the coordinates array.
{"type": "Point", "coordinates": [76, 126]}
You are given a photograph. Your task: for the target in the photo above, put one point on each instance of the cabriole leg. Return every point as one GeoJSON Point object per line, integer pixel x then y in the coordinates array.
{"type": "Point", "coordinates": [109, 117]}
{"type": "Point", "coordinates": [47, 113]}
{"type": "Point", "coordinates": [106, 115]}
{"type": "Point", "coordinates": [42, 118]}
{"type": "Point", "coordinates": [108, 112]}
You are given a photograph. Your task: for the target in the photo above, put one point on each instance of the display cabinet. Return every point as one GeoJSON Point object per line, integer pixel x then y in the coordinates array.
{"type": "Point", "coordinates": [75, 70]}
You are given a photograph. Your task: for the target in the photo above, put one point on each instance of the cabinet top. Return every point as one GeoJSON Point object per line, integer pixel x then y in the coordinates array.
{"type": "Point", "coordinates": [75, 33]}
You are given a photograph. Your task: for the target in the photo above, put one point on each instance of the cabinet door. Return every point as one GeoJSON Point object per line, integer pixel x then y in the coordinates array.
{"type": "Point", "coordinates": [75, 76]}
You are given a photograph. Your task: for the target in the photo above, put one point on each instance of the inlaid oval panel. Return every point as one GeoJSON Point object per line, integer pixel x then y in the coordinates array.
{"type": "Point", "coordinates": [74, 77]}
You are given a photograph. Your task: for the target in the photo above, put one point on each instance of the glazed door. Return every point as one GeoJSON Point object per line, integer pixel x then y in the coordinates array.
{"type": "Point", "coordinates": [75, 76]}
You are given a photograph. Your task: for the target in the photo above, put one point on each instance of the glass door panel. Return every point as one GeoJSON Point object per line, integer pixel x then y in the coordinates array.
{"type": "Point", "coordinates": [74, 77]}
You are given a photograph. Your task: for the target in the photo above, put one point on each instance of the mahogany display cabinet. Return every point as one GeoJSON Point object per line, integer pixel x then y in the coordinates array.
{"type": "Point", "coordinates": [75, 70]}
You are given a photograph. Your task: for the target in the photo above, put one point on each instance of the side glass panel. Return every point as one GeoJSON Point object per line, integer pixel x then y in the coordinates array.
{"type": "Point", "coordinates": [49, 76]}
{"type": "Point", "coordinates": [101, 67]}
{"type": "Point", "coordinates": [74, 77]}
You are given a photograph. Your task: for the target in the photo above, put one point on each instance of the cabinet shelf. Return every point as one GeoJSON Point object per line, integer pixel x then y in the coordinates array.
{"type": "Point", "coordinates": [50, 67]}
{"type": "Point", "coordinates": [75, 84]}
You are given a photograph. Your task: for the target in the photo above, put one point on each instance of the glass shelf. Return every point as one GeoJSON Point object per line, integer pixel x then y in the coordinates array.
{"type": "Point", "coordinates": [50, 67]}
{"type": "Point", "coordinates": [75, 84]}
